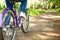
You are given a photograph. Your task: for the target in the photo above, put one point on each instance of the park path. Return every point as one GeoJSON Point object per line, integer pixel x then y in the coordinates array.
{"type": "Point", "coordinates": [45, 26]}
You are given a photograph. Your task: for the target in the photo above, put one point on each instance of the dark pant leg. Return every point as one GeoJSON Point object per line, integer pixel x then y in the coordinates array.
{"type": "Point", "coordinates": [23, 5]}
{"type": "Point", "coordinates": [10, 5]}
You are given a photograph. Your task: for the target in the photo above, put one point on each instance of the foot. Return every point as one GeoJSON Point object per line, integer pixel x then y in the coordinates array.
{"type": "Point", "coordinates": [4, 29]}
{"type": "Point", "coordinates": [22, 15]}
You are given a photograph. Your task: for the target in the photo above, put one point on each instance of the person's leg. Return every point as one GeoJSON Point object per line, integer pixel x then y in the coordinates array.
{"type": "Point", "coordinates": [22, 8]}
{"type": "Point", "coordinates": [9, 5]}
{"type": "Point", "coordinates": [23, 5]}
{"type": "Point", "coordinates": [7, 19]}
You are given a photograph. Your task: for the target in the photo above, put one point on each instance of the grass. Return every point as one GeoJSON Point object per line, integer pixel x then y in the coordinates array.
{"type": "Point", "coordinates": [35, 11]}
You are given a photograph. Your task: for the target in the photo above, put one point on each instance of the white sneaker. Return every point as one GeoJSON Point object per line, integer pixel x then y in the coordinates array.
{"type": "Point", "coordinates": [22, 15]}
{"type": "Point", "coordinates": [4, 29]}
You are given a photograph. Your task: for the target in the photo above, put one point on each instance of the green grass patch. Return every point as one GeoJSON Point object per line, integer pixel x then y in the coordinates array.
{"type": "Point", "coordinates": [35, 11]}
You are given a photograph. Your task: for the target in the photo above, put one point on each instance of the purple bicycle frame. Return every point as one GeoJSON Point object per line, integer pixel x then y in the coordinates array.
{"type": "Point", "coordinates": [15, 16]}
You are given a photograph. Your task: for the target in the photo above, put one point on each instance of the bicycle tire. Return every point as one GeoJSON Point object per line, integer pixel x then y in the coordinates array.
{"type": "Point", "coordinates": [25, 23]}
{"type": "Point", "coordinates": [5, 34]}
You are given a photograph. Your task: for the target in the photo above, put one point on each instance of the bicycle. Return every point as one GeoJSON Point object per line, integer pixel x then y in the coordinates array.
{"type": "Point", "coordinates": [11, 21]}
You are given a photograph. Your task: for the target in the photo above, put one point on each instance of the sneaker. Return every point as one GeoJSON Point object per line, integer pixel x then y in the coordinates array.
{"type": "Point", "coordinates": [4, 29]}
{"type": "Point", "coordinates": [22, 15]}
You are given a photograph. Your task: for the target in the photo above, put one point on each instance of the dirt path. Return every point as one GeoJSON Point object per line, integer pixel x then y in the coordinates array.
{"type": "Point", "coordinates": [45, 26]}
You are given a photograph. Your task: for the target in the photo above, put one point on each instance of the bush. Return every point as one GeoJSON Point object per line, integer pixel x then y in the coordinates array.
{"type": "Point", "coordinates": [58, 11]}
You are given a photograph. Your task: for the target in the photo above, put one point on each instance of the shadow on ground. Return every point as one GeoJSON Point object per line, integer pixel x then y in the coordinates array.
{"type": "Point", "coordinates": [41, 29]}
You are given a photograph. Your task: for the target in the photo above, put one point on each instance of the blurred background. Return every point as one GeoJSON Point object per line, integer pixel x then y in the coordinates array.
{"type": "Point", "coordinates": [37, 6]}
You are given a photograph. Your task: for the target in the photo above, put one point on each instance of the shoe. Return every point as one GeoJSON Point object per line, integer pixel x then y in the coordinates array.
{"type": "Point", "coordinates": [22, 15]}
{"type": "Point", "coordinates": [4, 29]}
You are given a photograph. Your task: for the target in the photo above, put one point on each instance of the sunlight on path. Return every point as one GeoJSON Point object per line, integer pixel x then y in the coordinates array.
{"type": "Point", "coordinates": [41, 28]}
{"type": "Point", "coordinates": [50, 16]}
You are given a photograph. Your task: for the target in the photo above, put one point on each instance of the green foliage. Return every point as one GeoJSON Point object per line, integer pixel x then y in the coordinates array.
{"type": "Point", "coordinates": [58, 11]}
{"type": "Point", "coordinates": [17, 5]}
{"type": "Point", "coordinates": [0, 7]}
{"type": "Point", "coordinates": [35, 11]}
{"type": "Point", "coordinates": [56, 3]}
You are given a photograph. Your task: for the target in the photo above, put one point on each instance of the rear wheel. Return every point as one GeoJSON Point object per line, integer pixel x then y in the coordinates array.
{"type": "Point", "coordinates": [7, 26]}
{"type": "Point", "coordinates": [25, 23]}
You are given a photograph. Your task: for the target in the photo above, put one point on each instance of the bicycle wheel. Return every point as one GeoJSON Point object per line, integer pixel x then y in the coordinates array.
{"type": "Point", "coordinates": [25, 23]}
{"type": "Point", "coordinates": [8, 24]}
